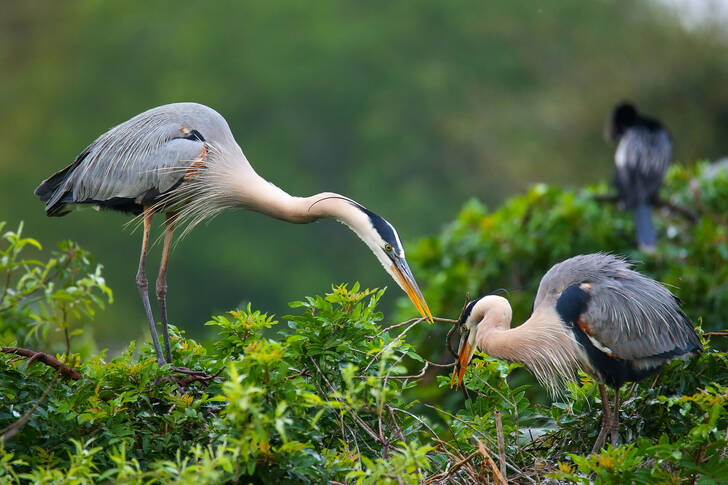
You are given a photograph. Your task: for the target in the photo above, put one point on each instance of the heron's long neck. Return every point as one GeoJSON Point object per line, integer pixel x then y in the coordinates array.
{"type": "Point", "coordinates": [543, 343]}
{"type": "Point", "coordinates": [256, 193]}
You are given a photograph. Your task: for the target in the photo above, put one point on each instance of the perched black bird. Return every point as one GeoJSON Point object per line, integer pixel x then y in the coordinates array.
{"type": "Point", "coordinates": [644, 152]}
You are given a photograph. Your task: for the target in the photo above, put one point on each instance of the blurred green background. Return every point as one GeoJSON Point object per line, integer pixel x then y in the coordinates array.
{"type": "Point", "coordinates": [409, 108]}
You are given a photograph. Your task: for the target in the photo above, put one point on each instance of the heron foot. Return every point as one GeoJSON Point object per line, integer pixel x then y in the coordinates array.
{"type": "Point", "coordinates": [599, 443]}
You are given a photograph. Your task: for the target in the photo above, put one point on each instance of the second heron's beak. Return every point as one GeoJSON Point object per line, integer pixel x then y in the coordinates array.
{"type": "Point", "coordinates": [466, 349]}
{"type": "Point", "coordinates": [409, 285]}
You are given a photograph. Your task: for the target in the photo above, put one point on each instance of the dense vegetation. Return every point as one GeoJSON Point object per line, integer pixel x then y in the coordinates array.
{"type": "Point", "coordinates": [336, 392]}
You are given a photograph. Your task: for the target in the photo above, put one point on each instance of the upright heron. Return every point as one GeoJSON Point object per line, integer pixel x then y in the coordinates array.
{"type": "Point", "coordinates": [644, 152]}
{"type": "Point", "coordinates": [592, 312]}
{"type": "Point", "coordinates": [182, 160]}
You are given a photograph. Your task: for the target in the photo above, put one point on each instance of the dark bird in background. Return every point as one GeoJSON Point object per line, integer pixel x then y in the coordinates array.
{"type": "Point", "coordinates": [182, 160]}
{"type": "Point", "coordinates": [591, 313]}
{"type": "Point", "coordinates": [644, 152]}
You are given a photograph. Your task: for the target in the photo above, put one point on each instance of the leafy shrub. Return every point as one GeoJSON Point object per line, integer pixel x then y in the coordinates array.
{"type": "Point", "coordinates": [331, 394]}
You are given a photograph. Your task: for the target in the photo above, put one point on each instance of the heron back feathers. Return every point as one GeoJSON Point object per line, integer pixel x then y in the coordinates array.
{"type": "Point", "coordinates": [135, 162]}
{"type": "Point", "coordinates": [623, 314]}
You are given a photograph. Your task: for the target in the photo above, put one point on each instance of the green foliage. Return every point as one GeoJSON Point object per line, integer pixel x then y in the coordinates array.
{"type": "Point", "coordinates": [322, 401]}
{"type": "Point", "coordinates": [52, 295]}
{"type": "Point", "coordinates": [331, 394]}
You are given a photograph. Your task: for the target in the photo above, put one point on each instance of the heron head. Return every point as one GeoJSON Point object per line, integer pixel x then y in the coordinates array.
{"type": "Point", "coordinates": [382, 239]}
{"type": "Point", "coordinates": [488, 311]}
{"type": "Point", "coordinates": [384, 242]}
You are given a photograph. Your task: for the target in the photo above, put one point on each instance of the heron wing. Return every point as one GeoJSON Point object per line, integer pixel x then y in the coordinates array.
{"type": "Point", "coordinates": [635, 317]}
{"type": "Point", "coordinates": [150, 152]}
{"type": "Point", "coordinates": [627, 314]}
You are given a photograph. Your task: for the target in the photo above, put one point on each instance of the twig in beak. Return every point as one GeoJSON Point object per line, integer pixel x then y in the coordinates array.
{"type": "Point", "coordinates": [456, 325]}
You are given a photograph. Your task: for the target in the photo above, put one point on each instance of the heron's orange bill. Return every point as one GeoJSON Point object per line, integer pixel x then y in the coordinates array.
{"type": "Point", "coordinates": [407, 280]}
{"type": "Point", "coordinates": [466, 353]}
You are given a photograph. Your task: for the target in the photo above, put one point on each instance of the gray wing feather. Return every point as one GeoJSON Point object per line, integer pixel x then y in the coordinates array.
{"type": "Point", "coordinates": [147, 152]}
{"type": "Point", "coordinates": [132, 158]}
{"type": "Point", "coordinates": [634, 316]}
{"type": "Point", "coordinates": [113, 173]}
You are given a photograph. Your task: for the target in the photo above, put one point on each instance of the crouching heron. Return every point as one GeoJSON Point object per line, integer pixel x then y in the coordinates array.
{"type": "Point", "coordinates": [592, 312]}
{"type": "Point", "coordinates": [182, 160]}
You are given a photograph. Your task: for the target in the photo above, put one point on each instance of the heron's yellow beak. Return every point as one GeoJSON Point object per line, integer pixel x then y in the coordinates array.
{"type": "Point", "coordinates": [465, 354]}
{"type": "Point", "coordinates": [409, 285]}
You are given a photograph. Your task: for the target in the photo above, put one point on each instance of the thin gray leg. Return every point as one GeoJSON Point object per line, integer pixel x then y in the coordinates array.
{"type": "Point", "coordinates": [615, 419]}
{"type": "Point", "coordinates": [143, 285]}
{"type": "Point", "coordinates": [606, 420]}
{"type": "Point", "coordinates": [162, 283]}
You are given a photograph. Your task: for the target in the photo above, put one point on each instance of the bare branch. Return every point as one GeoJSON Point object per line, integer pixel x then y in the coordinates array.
{"type": "Point", "coordinates": [672, 207]}
{"type": "Point", "coordinates": [390, 344]}
{"type": "Point", "coordinates": [396, 325]}
{"type": "Point", "coordinates": [442, 476]}
{"type": "Point", "coordinates": [195, 376]}
{"type": "Point", "coordinates": [484, 452]}
{"type": "Point", "coordinates": [47, 359]}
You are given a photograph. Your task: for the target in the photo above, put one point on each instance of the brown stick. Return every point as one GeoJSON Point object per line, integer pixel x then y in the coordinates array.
{"type": "Point", "coordinates": [496, 472]}
{"type": "Point", "coordinates": [501, 442]}
{"type": "Point", "coordinates": [47, 359]}
{"type": "Point", "coordinates": [442, 476]}
{"type": "Point", "coordinates": [194, 376]}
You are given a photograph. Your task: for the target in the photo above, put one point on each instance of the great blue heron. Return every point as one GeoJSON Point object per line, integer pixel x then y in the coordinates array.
{"type": "Point", "coordinates": [644, 152]}
{"type": "Point", "coordinates": [182, 160]}
{"type": "Point", "coordinates": [592, 312]}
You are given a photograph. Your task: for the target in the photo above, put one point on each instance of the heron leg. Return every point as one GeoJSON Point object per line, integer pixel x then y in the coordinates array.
{"type": "Point", "coordinates": [162, 282]}
{"type": "Point", "coordinates": [143, 285]}
{"type": "Point", "coordinates": [606, 420]}
{"type": "Point", "coordinates": [615, 419]}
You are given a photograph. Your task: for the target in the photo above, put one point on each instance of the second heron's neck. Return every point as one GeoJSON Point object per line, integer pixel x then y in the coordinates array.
{"type": "Point", "coordinates": [542, 343]}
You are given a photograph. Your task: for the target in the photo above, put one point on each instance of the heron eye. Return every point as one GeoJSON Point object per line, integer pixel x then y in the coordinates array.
{"type": "Point", "coordinates": [387, 247]}
{"type": "Point", "coordinates": [464, 328]}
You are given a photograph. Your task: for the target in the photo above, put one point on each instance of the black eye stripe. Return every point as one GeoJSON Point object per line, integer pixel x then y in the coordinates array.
{"type": "Point", "coordinates": [383, 228]}
{"type": "Point", "coordinates": [194, 135]}
{"type": "Point", "coordinates": [468, 311]}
